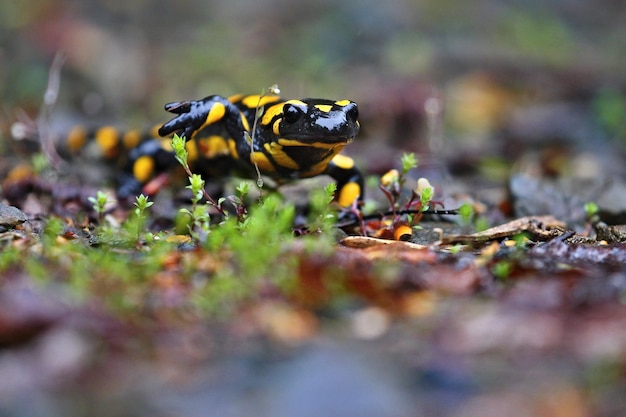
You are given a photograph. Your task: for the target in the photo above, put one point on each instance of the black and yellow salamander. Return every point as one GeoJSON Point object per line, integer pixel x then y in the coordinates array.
{"type": "Point", "coordinates": [291, 139]}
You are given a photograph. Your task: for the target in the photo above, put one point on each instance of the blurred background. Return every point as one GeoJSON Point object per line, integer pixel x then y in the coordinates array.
{"type": "Point", "coordinates": [477, 83]}
{"type": "Point", "coordinates": [482, 90]}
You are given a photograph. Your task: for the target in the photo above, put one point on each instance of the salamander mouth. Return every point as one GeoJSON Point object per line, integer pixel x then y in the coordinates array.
{"type": "Point", "coordinates": [315, 141]}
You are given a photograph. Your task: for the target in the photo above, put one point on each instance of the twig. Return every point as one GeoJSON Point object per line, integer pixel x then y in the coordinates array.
{"type": "Point", "coordinates": [374, 216]}
{"type": "Point", "coordinates": [43, 120]}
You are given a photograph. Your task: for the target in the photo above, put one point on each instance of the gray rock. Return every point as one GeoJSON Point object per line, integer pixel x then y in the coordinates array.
{"type": "Point", "coordinates": [10, 217]}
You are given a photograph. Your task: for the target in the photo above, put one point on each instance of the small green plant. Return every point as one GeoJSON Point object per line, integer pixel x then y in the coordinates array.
{"type": "Point", "coordinates": [502, 269]}
{"type": "Point", "coordinates": [40, 163]}
{"type": "Point", "coordinates": [405, 209]}
{"type": "Point", "coordinates": [425, 192]}
{"type": "Point", "coordinates": [238, 200]}
{"type": "Point", "coordinates": [470, 218]}
{"type": "Point", "coordinates": [591, 210]}
{"type": "Point", "coordinates": [392, 185]}
{"type": "Point", "coordinates": [199, 213]}
{"type": "Point", "coordinates": [142, 203]}
{"type": "Point", "coordinates": [323, 215]}
{"type": "Point", "coordinates": [99, 203]}
{"type": "Point", "coordinates": [409, 162]}
{"type": "Point", "coordinates": [467, 213]}
{"type": "Point", "coordinates": [254, 249]}
{"type": "Point", "coordinates": [180, 151]}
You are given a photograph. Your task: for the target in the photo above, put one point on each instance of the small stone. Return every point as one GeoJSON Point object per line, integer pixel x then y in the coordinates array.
{"type": "Point", "coordinates": [11, 217]}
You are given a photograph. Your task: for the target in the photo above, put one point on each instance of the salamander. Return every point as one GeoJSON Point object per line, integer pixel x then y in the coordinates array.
{"type": "Point", "coordinates": [291, 139]}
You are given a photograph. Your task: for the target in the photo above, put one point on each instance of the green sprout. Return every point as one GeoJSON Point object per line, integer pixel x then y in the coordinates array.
{"type": "Point", "coordinates": [99, 203]}
{"type": "Point", "coordinates": [409, 162]}
{"type": "Point", "coordinates": [591, 209]}
{"type": "Point", "coordinates": [180, 151]}
{"type": "Point", "coordinates": [467, 213]}
{"type": "Point", "coordinates": [40, 163]}
{"type": "Point", "coordinates": [426, 192]}
{"type": "Point", "coordinates": [142, 203]}
{"type": "Point", "coordinates": [502, 270]}
{"type": "Point", "coordinates": [323, 216]}
{"type": "Point", "coordinates": [199, 213]}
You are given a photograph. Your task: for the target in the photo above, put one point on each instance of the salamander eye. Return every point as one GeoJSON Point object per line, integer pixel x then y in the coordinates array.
{"type": "Point", "coordinates": [291, 113]}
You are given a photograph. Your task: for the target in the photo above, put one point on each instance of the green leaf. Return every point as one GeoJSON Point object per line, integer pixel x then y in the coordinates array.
{"type": "Point", "coordinates": [409, 161]}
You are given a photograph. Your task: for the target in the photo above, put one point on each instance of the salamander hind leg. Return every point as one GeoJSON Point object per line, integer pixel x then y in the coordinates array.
{"type": "Point", "coordinates": [350, 182]}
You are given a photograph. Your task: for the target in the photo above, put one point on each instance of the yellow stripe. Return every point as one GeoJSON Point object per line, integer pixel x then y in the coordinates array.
{"type": "Point", "coordinates": [76, 138]}
{"type": "Point", "coordinates": [270, 113]}
{"type": "Point", "coordinates": [281, 158]}
{"type": "Point", "coordinates": [244, 122]}
{"type": "Point", "coordinates": [324, 107]}
{"type": "Point", "coordinates": [262, 161]}
{"type": "Point", "coordinates": [342, 102]}
{"type": "Point", "coordinates": [143, 168]}
{"type": "Point", "coordinates": [350, 192]}
{"type": "Point", "coordinates": [232, 146]}
{"type": "Point", "coordinates": [235, 98]}
{"type": "Point", "coordinates": [320, 167]}
{"type": "Point", "coordinates": [276, 127]}
{"type": "Point", "coordinates": [216, 113]}
{"type": "Point", "coordinates": [256, 100]}
{"type": "Point", "coordinates": [344, 162]}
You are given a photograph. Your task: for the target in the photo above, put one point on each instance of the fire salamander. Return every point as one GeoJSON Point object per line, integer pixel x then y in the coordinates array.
{"type": "Point", "coordinates": [291, 139]}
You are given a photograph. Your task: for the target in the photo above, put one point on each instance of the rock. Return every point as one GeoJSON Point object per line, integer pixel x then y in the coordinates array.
{"type": "Point", "coordinates": [565, 198]}
{"type": "Point", "coordinates": [10, 217]}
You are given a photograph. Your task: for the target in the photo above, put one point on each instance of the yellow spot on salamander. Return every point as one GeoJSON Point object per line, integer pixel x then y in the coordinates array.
{"type": "Point", "coordinates": [344, 162]}
{"type": "Point", "coordinates": [276, 127]}
{"type": "Point", "coordinates": [321, 166]}
{"type": "Point", "coordinates": [262, 161]}
{"type": "Point", "coordinates": [270, 113]}
{"type": "Point", "coordinates": [76, 139]}
{"type": "Point", "coordinates": [143, 168]}
{"type": "Point", "coordinates": [131, 138]}
{"type": "Point", "coordinates": [342, 102]}
{"type": "Point", "coordinates": [281, 158]}
{"type": "Point", "coordinates": [192, 150]}
{"type": "Point", "coordinates": [256, 100]}
{"type": "Point", "coordinates": [213, 146]}
{"type": "Point", "coordinates": [232, 146]}
{"type": "Point", "coordinates": [350, 192]}
{"type": "Point", "coordinates": [235, 98]}
{"type": "Point", "coordinates": [107, 139]}
{"type": "Point", "coordinates": [244, 122]}
{"type": "Point", "coordinates": [324, 107]}
{"type": "Point", "coordinates": [216, 113]}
